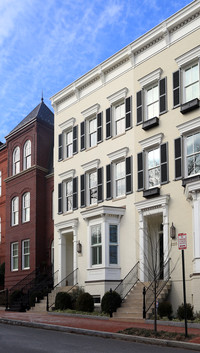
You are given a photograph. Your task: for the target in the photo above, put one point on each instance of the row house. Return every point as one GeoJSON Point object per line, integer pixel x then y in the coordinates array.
{"type": "Point", "coordinates": [127, 163]}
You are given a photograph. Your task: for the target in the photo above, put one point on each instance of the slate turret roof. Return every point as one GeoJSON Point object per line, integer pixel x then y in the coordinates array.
{"type": "Point", "coordinates": [40, 113]}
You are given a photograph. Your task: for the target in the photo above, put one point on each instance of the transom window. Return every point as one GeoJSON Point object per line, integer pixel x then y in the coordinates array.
{"type": "Point", "coordinates": [14, 256]}
{"type": "Point", "coordinates": [26, 207]}
{"type": "Point", "coordinates": [25, 254]}
{"type": "Point", "coordinates": [16, 160]}
{"type": "Point", "coordinates": [153, 160]}
{"type": "Point", "coordinates": [120, 118]}
{"type": "Point", "coordinates": [27, 154]}
{"type": "Point", "coordinates": [93, 132]}
{"type": "Point", "coordinates": [69, 144]}
{"type": "Point", "coordinates": [68, 196]}
{"type": "Point", "coordinates": [191, 82]}
{"type": "Point", "coordinates": [96, 244]}
{"type": "Point", "coordinates": [15, 211]}
{"type": "Point", "coordinates": [152, 102]}
{"type": "Point", "coordinates": [113, 244]}
{"type": "Point", "coordinates": [92, 188]}
{"type": "Point", "coordinates": [120, 178]}
{"type": "Point", "coordinates": [193, 154]}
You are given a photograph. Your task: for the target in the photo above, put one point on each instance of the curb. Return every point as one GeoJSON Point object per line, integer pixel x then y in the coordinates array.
{"type": "Point", "coordinates": [138, 339]}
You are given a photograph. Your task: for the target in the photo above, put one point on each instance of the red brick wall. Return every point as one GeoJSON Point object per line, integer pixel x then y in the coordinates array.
{"type": "Point", "coordinates": [3, 169]}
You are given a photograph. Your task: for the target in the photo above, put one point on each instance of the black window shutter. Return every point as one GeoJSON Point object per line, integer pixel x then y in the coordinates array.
{"type": "Point", "coordinates": [176, 88]}
{"type": "Point", "coordinates": [109, 182]}
{"type": "Point", "coordinates": [75, 193]}
{"type": "Point", "coordinates": [99, 127]}
{"type": "Point", "coordinates": [139, 107]}
{"type": "Point", "coordinates": [82, 135]}
{"type": "Point", "coordinates": [108, 123]}
{"type": "Point", "coordinates": [75, 139]}
{"type": "Point", "coordinates": [164, 163]}
{"type": "Point", "coordinates": [60, 152]}
{"type": "Point", "coordinates": [60, 203]}
{"type": "Point", "coordinates": [83, 203]}
{"type": "Point", "coordinates": [128, 175]}
{"type": "Point", "coordinates": [140, 162]}
{"type": "Point", "coordinates": [163, 95]}
{"type": "Point", "coordinates": [178, 157]}
{"type": "Point", "coordinates": [128, 112]}
{"type": "Point", "coordinates": [100, 185]}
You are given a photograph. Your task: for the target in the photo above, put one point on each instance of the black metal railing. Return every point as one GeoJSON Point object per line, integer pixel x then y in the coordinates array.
{"type": "Point", "coordinates": [71, 280]}
{"type": "Point", "coordinates": [129, 281]}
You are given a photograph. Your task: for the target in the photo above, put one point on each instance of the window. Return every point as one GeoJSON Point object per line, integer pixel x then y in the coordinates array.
{"type": "Point", "coordinates": [152, 102]}
{"type": "Point", "coordinates": [26, 254]}
{"type": "Point", "coordinates": [68, 144]}
{"type": "Point", "coordinates": [92, 181]}
{"type": "Point", "coordinates": [0, 183]}
{"type": "Point", "coordinates": [113, 244]}
{"type": "Point", "coordinates": [91, 184]}
{"type": "Point", "coordinates": [16, 161]}
{"type": "Point", "coordinates": [120, 178]}
{"type": "Point", "coordinates": [52, 205]}
{"type": "Point", "coordinates": [14, 256]}
{"type": "Point", "coordinates": [68, 195]}
{"type": "Point", "coordinates": [91, 128]}
{"type": "Point", "coordinates": [119, 112]}
{"type": "Point", "coordinates": [26, 207]}
{"type": "Point", "coordinates": [15, 211]}
{"type": "Point", "coordinates": [191, 82]}
{"type": "Point", "coordinates": [92, 132]}
{"type": "Point", "coordinates": [68, 140]}
{"type": "Point", "coordinates": [152, 164]}
{"type": "Point", "coordinates": [96, 244]}
{"type": "Point", "coordinates": [27, 154]}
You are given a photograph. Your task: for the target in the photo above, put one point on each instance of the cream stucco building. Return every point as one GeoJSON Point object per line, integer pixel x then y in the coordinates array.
{"type": "Point", "coordinates": [127, 163]}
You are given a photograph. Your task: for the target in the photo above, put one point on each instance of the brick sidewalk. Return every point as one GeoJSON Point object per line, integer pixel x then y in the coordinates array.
{"type": "Point", "coordinates": [91, 323]}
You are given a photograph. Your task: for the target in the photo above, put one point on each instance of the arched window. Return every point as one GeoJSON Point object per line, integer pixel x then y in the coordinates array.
{"type": "Point", "coordinates": [15, 211]}
{"type": "Point", "coordinates": [16, 160]}
{"type": "Point", "coordinates": [26, 207]}
{"type": "Point", "coordinates": [27, 154]}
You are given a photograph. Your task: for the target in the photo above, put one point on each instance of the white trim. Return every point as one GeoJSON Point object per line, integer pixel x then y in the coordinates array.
{"type": "Point", "coordinates": [91, 165]}
{"type": "Point", "coordinates": [67, 124]}
{"type": "Point", "coordinates": [189, 56]}
{"type": "Point", "coordinates": [119, 95]}
{"type": "Point", "coordinates": [119, 154]}
{"type": "Point", "coordinates": [189, 126]}
{"type": "Point", "coordinates": [191, 188]}
{"type": "Point", "coordinates": [63, 226]}
{"type": "Point", "coordinates": [102, 211]}
{"type": "Point", "coordinates": [93, 110]}
{"type": "Point", "coordinates": [152, 141]}
{"type": "Point", "coordinates": [150, 78]}
{"type": "Point", "coordinates": [148, 204]}
{"type": "Point", "coordinates": [67, 175]}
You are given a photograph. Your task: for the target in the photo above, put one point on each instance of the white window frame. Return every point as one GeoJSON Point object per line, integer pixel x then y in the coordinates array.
{"type": "Point", "coordinates": [147, 169]}
{"type": "Point", "coordinates": [89, 115]}
{"type": "Point", "coordinates": [14, 256]}
{"type": "Point", "coordinates": [97, 246]}
{"type": "Point", "coordinates": [183, 72]}
{"type": "Point", "coordinates": [118, 179]}
{"type": "Point", "coordinates": [185, 154]}
{"type": "Point", "coordinates": [16, 160]}
{"type": "Point", "coordinates": [121, 120]}
{"type": "Point", "coordinates": [90, 189]}
{"type": "Point", "coordinates": [27, 254]}
{"type": "Point", "coordinates": [92, 133]}
{"type": "Point", "coordinates": [153, 103]}
{"type": "Point", "coordinates": [15, 211]}
{"type": "Point", "coordinates": [26, 207]}
{"type": "Point", "coordinates": [68, 143]}
{"type": "Point", "coordinates": [27, 154]}
{"type": "Point", "coordinates": [116, 100]}
{"type": "Point", "coordinates": [68, 196]}
{"type": "Point", "coordinates": [0, 182]}
{"type": "Point", "coordinates": [113, 244]}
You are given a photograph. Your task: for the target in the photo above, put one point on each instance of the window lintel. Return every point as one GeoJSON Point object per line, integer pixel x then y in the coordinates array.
{"type": "Point", "coordinates": [189, 126]}
{"type": "Point", "coordinates": [67, 124]}
{"type": "Point", "coordinates": [67, 175]}
{"type": "Point", "coordinates": [189, 56]}
{"type": "Point", "coordinates": [93, 110]}
{"type": "Point", "coordinates": [119, 95]}
{"type": "Point", "coordinates": [150, 78]}
{"type": "Point", "coordinates": [121, 153]}
{"type": "Point", "coordinates": [91, 165]}
{"type": "Point", "coordinates": [152, 141]}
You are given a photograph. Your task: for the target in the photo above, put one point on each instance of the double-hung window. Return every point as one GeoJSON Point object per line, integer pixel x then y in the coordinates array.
{"type": "Point", "coordinates": [92, 132]}
{"type": "Point", "coordinates": [68, 192]}
{"type": "Point", "coordinates": [119, 113]}
{"type": "Point", "coordinates": [152, 102]}
{"type": "Point", "coordinates": [14, 256]}
{"type": "Point", "coordinates": [15, 211]}
{"type": "Point", "coordinates": [91, 184]}
{"type": "Point", "coordinates": [27, 154]}
{"type": "Point", "coordinates": [120, 178]}
{"type": "Point", "coordinates": [68, 196]}
{"type": "Point", "coordinates": [26, 207]}
{"type": "Point", "coordinates": [68, 139]}
{"type": "Point", "coordinates": [96, 245]}
{"type": "Point", "coordinates": [153, 168]}
{"type": "Point", "coordinates": [113, 244]}
{"type": "Point", "coordinates": [68, 144]}
{"type": "Point", "coordinates": [191, 82]}
{"type": "Point", "coordinates": [26, 254]}
{"type": "Point", "coordinates": [91, 128]}
{"type": "Point", "coordinates": [16, 160]}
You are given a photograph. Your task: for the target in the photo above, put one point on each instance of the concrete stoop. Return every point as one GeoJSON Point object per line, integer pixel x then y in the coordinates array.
{"type": "Point", "coordinates": [132, 306]}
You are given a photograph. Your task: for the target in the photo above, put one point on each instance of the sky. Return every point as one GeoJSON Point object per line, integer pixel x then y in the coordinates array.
{"type": "Point", "coordinates": [46, 45]}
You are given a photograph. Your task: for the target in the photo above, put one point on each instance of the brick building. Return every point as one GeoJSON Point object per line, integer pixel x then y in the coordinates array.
{"type": "Point", "coordinates": [3, 175]}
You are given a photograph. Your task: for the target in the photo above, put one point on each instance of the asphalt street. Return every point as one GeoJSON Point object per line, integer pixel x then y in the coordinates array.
{"type": "Point", "coordinates": [18, 339]}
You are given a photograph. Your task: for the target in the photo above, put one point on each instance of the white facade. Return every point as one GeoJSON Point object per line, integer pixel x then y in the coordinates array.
{"type": "Point", "coordinates": [127, 160]}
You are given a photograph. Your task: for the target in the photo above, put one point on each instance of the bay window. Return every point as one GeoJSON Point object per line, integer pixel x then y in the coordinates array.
{"type": "Point", "coordinates": [96, 245]}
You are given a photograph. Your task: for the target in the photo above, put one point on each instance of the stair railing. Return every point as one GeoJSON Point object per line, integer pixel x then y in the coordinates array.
{"type": "Point", "coordinates": [129, 281]}
{"type": "Point", "coordinates": [70, 280]}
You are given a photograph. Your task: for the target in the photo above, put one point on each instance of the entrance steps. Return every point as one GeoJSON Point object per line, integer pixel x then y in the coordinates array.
{"type": "Point", "coordinates": [132, 306]}
{"type": "Point", "coordinates": [42, 304]}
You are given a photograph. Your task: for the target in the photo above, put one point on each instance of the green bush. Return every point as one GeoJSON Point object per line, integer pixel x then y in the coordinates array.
{"type": "Point", "coordinates": [63, 301]}
{"type": "Point", "coordinates": [181, 312]}
{"type": "Point", "coordinates": [85, 302]}
{"type": "Point", "coordinates": [165, 309]}
{"type": "Point", "coordinates": [74, 296]}
{"type": "Point", "coordinates": [110, 302]}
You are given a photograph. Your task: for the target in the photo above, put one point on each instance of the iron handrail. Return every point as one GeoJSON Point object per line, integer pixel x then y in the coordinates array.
{"type": "Point", "coordinates": [127, 287]}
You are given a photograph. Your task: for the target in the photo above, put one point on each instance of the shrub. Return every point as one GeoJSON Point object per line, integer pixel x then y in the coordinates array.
{"type": "Point", "coordinates": [181, 312]}
{"type": "Point", "coordinates": [63, 301]}
{"type": "Point", "coordinates": [85, 302]}
{"type": "Point", "coordinates": [165, 309]}
{"type": "Point", "coordinates": [110, 302]}
{"type": "Point", "coordinates": [74, 296]}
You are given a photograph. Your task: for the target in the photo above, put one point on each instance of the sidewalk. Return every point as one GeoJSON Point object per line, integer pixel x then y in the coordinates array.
{"type": "Point", "coordinates": [96, 326]}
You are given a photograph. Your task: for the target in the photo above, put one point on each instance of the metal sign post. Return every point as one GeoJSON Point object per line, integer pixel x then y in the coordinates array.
{"type": "Point", "coordinates": [182, 245]}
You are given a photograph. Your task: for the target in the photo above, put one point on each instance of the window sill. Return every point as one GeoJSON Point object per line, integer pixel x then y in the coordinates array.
{"type": "Point", "coordinates": [91, 206]}
{"type": "Point", "coordinates": [151, 192]}
{"type": "Point", "coordinates": [119, 198]}
{"type": "Point", "coordinates": [148, 124]}
{"type": "Point", "coordinates": [26, 269]}
{"type": "Point", "coordinates": [189, 106]}
{"type": "Point", "coordinates": [67, 212]}
{"type": "Point", "coordinates": [116, 136]}
{"type": "Point", "coordinates": [14, 270]}
{"type": "Point", "coordinates": [91, 148]}
{"type": "Point", "coordinates": [189, 180]}
{"type": "Point", "coordinates": [67, 158]}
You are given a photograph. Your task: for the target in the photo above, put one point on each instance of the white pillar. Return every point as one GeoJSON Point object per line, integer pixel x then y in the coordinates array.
{"type": "Point", "coordinates": [196, 230]}
{"type": "Point", "coordinates": [142, 247]}
{"type": "Point", "coordinates": [166, 239]}
{"type": "Point", "coordinates": [75, 253]}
